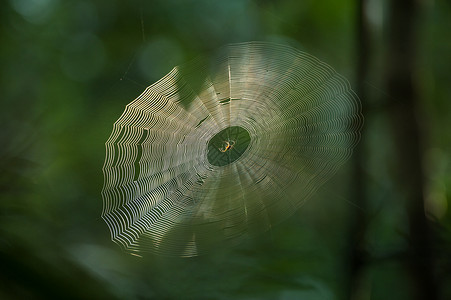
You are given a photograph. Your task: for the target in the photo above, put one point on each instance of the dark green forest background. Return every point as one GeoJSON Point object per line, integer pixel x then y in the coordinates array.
{"type": "Point", "coordinates": [380, 229]}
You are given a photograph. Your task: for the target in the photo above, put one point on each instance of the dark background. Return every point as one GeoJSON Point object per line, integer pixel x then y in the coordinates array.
{"type": "Point", "coordinates": [380, 229]}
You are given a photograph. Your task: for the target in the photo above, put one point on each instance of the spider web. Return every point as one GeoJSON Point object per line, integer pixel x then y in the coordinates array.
{"type": "Point", "coordinates": [162, 194]}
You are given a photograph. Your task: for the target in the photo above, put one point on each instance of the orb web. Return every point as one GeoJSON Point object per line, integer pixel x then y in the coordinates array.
{"type": "Point", "coordinates": [220, 150]}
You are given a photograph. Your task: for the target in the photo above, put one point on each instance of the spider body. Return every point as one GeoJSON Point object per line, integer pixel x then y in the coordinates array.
{"type": "Point", "coordinates": [228, 146]}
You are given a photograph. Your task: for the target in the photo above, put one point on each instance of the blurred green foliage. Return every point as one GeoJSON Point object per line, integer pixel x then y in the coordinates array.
{"type": "Point", "coordinates": [68, 68]}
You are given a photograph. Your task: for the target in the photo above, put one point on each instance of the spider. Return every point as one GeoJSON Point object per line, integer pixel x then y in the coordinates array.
{"type": "Point", "coordinates": [228, 145]}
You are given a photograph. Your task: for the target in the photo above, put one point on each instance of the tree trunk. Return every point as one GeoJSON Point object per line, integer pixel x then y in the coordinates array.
{"type": "Point", "coordinates": [400, 67]}
{"type": "Point", "coordinates": [357, 254]}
